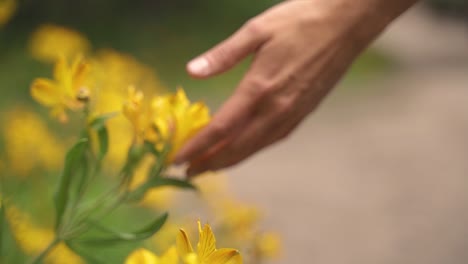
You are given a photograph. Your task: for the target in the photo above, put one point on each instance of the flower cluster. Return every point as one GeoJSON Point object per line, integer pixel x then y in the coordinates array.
{"type": "Point", "coordinates": [117, 171]}
{"type": "Point", "coordinates": [206, 251]}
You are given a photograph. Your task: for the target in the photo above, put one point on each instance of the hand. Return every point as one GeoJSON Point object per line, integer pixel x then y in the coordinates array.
{"type": "Point", "coordinates": [301, 49]}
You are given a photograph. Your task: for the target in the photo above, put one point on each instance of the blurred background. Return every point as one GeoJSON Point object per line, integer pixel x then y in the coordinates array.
{"type": "Point", "coordinates": [379, 174]}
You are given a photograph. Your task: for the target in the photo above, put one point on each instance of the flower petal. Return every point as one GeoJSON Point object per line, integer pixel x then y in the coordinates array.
{"type": "Point", "coordinates": [225, 256]}
{"type": "Point", "coordinates": [45, 92]}
{"type": "Point", "coordinates": [79, 72]}
{"type": "Point", "coordinates": [183, 244]}
{"type": "Point", "coordinates": [61, 70]}
{"type": "Point", "coordinates": [142, 256]}
{"type": "Point", "coordinates": [180, 101]}
{"type": "Point", "coordinates": [206, 243]}
{"type": "Point", "coordinates": [170, 257]}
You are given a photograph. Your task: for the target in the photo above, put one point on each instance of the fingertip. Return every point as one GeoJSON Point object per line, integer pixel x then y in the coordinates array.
{"type": "Point", "coordinates": [199, 67]}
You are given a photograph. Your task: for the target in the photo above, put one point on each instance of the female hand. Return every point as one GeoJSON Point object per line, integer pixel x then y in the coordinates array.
{"type": "Point", "coordinates": [301, 49]}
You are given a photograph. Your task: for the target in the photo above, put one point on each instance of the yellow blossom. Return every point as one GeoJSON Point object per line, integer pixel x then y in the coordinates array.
{"type": "Point", "coordinates": [177, 120]}
{"type": "Point", "coordinates": [143, 256]}
{"type": "Point", "coordinates": [169, 119]}
{"type": "Point", "coordinates": [68, 89]}
{"type": "Point", "coordinates": [7, 9]}
{"type": "Point", "coordinates": [113, 72]}
{"type": "Point", "coordinates": [50, 43]}
{"type": "Point", "coordinates": [268, 245]}
{"type": "Point", "coordinates": [206, 249]}
{"type": "Point", "coordinates": [116, 71]}
{"type": "Point", "coordinates": [29, 144]}
{"type": "Point", "coordinates": [33, 240]}
{"type": "Point", "coordinates": [136, 112]}
{"type": "Point", "coordinates": [240, 218]}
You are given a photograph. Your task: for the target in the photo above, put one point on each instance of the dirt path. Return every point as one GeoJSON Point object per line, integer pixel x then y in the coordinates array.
{"type": "Point", "coordinates": [380, 178]}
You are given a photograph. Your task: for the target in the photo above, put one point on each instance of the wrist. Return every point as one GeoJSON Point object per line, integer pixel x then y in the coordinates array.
{"type": "Point", "coordinates": [376, 15]}
{"type": "Point", "coordinates": [366, 19]}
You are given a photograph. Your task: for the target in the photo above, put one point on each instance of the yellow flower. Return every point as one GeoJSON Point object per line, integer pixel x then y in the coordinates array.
{"type": "Point", "coordinates": [136, 112]}
{"type": "Point", "coordinates": [143, 256]}
{"type": "Point", "coordinates": [177, 119]}
{"type": "Point", "coordinates": [50, 43]}
{"type": "Point", "coordinates": [113, 72]}
{"type": "Point", "coordinates": [239, 218]}
{"type": "Point", "coordinates": [206, 249]}
{"type": "Point", "coordinates": [29, 144]}
{"type": "Point", "coordinates": [268, 245]}
{"type": "Point", "coordinates": [169, 119]}
{"type": "Point", "coordinates": [7, 9]}
{"type": "Point", "coordinates": [66, 91]}
{"type": "Point", "coordinates": [116, 71]}
{"type": "Point", "coordinates": [33, 240]}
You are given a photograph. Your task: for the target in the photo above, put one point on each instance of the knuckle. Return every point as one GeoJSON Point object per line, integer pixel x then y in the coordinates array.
{"type": "Point", "coordinates": [261, 88]}
{"type": "Point", "coordinates": [254, 27]}
{"type": "Point", "coordinates": [220, 129]}
{"type": "Point", "coordinates": [282, 106]}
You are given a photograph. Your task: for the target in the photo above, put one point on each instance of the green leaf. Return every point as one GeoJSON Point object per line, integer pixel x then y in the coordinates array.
{"type": "Point", "coordinates": [159, 154]}
{"type": "Point", "coordinates": [72, 160]}
{"type": "Point", "coordinates": [84, 254]}
{"type": "Point", "coordinates": [2, 225]}
{"type": "Point", "coordinates": [100, 121]}
{"type": "Point", "coordinates": [99, 125]}
{"type": "Point", "coordinates": [139, 192]}
{"type": "Point", "coordinates": [151, 149]}
{"type": "Point", "coordinates": [103, 137]}
{"type": "Point", "coordinates": [82, 173]}
{"type": "Point", "coordinates": [113, 237]}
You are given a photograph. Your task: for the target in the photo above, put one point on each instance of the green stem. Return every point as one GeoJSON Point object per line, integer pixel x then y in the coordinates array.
{"type": "Point", "coordinates": [40, 257]}
{"type": "Point", "coordinates": [80, 225]}
{"type": "Point", "coordinates": [113, 206]}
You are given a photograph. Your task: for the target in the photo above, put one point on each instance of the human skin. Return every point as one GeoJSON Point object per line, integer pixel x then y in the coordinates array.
{"type": "Point", "coordinates": [301, 49]}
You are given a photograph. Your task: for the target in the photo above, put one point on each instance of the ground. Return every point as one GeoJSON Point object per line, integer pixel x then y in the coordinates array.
{"type": "Point", "coordinates": [380, 176]}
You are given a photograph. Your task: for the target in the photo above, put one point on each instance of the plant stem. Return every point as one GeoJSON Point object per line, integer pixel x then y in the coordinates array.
{"type": "Point", "coordinates": [40, 257]}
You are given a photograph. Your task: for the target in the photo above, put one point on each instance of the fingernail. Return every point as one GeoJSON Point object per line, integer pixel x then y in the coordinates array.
{"type": "Point", "coordinates": [199, 66]}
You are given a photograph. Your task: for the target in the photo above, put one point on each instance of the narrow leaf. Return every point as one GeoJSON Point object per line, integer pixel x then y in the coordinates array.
{"type": "Point", "coordinates": [100, 121]}
{"type": "Point", "coordinates": [99, 125]}
{"type": "Point", "coordinates": [110, 231]}
{"type": "Point", "coordinates": [72, 159]}
{"type": "Point", "coordinates": [82, 173]}
{"type": "Point", "coordinates": [2, 225]}
{"type": "Point", "coordinates": [84, 254]}
{"type": "Point", "coordinates": [103, 137]}
{"type": "Point", "coordinates": [116, 237]}
{"type": "Point", "coordinates": [138, 194]}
